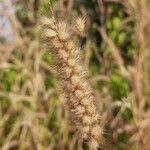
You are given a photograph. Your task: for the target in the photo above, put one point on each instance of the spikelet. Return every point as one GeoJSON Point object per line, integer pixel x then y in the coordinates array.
{"type": "Point", "coordinates": [80, 100]}
{"type": "Point", "coordinates": [80, 25]}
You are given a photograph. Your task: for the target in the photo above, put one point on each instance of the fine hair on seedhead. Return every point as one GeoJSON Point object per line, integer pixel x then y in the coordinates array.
{"type": "Point", "coordinates": [80, 101]}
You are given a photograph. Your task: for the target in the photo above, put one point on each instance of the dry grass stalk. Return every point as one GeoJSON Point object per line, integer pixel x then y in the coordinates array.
{"type": "Point", "coordinates": [139, 11]}
{"type": "Point", "coordinates": [80, 100]}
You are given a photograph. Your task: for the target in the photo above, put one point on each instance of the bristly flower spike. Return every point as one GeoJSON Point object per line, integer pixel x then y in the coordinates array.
{"type": "Point", "coordinates": [71, 75]}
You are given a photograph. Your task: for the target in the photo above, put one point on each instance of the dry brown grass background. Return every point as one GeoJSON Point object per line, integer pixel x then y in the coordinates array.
{"type": "Point", "coordinates": [115, 52]}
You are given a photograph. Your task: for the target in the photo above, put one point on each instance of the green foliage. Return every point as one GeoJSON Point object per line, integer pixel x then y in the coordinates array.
{"type": "Point", "coordinates": [122, 138]}
{"type": "Point", "coordinates": [119, 87]}
{"type": "Point", "coordinates": [10, 122]}
{"type": "Point", "coordinates": [8, 78]}
{"type": "Point", "coordinates": [49, 82]}
{"type": "Point", "coordinates": [127, 115]}
{"type": "Point", "coordinates": [47, 57]}
{"type": "Point", "coordinates": [4, 103]}
{"type": "Point", "coordinates": [25, 104]}
{"type": "Point", "coordinates": [45, 6]}
{"type": "Point", "coordinates": [121, 35]}
{"type": "Point", "coordinates": [23, 15]}
{"type": "Point", "coordinates": [52, 122]}
{"type": "Point", "coordinates": [99, 85]}
{"type": "Point", "coordinates": [94, 67]}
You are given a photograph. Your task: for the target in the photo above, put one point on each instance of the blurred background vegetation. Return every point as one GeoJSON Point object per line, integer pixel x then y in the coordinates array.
{"type": "Point", "coordinates": [116, 55]}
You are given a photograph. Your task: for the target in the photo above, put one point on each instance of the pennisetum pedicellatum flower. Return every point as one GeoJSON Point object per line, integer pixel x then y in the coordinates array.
{"type": "Point", "coordinates": [80, 100]}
